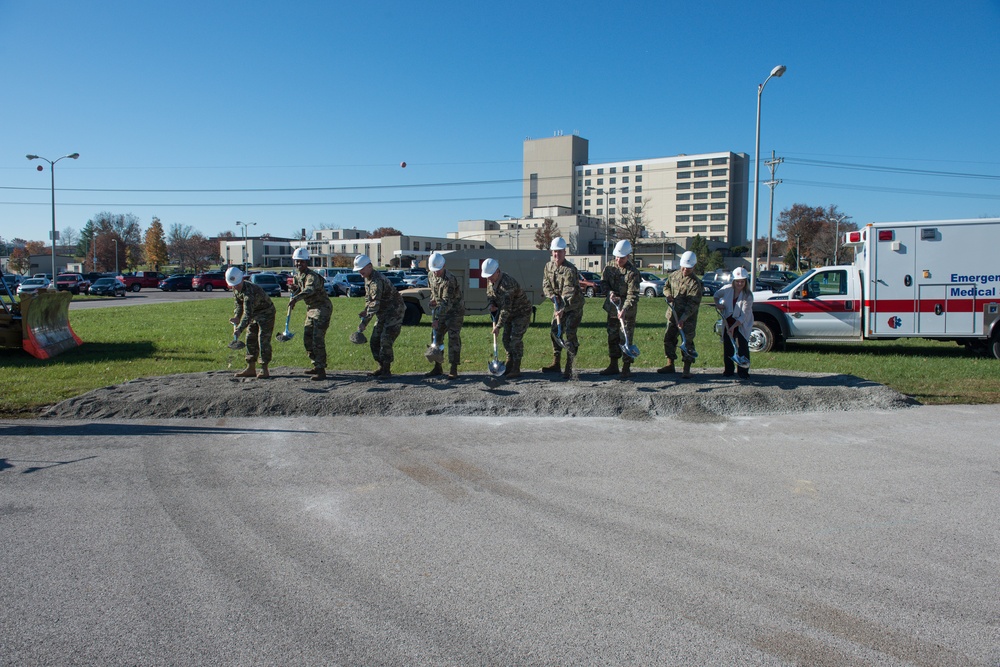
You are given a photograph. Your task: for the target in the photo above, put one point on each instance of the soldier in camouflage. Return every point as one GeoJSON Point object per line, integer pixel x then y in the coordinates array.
{"type": "Point", "coordinates": [683, 293]}
{"type": "Point", "coordinates": [448, 300]}
{"type": "Point", "coordinates": [383, 302]}
{"type": "Point", "coordinates": [513, 309]}
{"type": "Point", "coordinates": [561, 283]}
{"type": "Point", "coordinates": [254, 313]}
{"type": "Point", "coordinates": [621, 283]}
{"type": "Point", "coordinates": [308, 286]}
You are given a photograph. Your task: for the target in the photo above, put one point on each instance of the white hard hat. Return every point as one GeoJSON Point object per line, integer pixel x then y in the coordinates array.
{"type": "Point", "coordinates": [300, 254]}
{"type": "Point", "coordinates": [689, 259]}
{"type": "Point", "coordinates": [558, 243]}
{"type": "Point", "coordinates": [361, 261]}
{"type": "Point", "coordinates": [435, 262]}
{"type": "Point", "coordinates": [623, 248]}
{"type": "Point", "coordinates": [490, 266]}
{"type": "Point", "coordinates": [739, 273]}
{"type": "Point", "coordinates": [234, 276]}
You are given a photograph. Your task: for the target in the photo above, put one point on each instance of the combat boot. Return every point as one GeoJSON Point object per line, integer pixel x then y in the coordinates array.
{"type": "Point", "coordinates": [508, 364]}
{"type": "Point", "coordinates": [311, 371]}
{"type": "Point", "coordinates": [687, 370]}
{"type": "Point", "coordinates": [556, 364]}
{"type": "Point", "coordinates": [626, 368]}
{"type": "Point", "coordinates": [453, 372]}
{"type": "Point", "coordinates": [320, 374]}
{"type": "Point", "coordinates": [514, 370]}
{"type": "Point", "coordinates": [434, 372]}
{"type": "Point", "coordinates": [612, 368]}
{"type": "Point", "coordinates": [568, 370]}
{"type": "Point", "coordinates": [669, 368]}
{"type": "Point", "coordinates": [263, 374]}
{"type": "Point", "coordinates": [384, 372]}
{"type": "Point", "coordinates": [249, 372]}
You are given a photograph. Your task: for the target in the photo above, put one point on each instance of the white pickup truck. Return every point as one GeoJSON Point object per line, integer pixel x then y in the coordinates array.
{"type": "Point", "coordinates": [934, 279]}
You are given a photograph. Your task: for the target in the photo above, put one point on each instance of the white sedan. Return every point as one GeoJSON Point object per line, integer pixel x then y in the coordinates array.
{"type": "Point", "coordinates": [32, 285]}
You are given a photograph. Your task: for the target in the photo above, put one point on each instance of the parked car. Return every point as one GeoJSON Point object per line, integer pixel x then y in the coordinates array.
{"type": "Point", "coordinates": [590, 284]}
{"type": "Point", "coordinates": [32, 285]}
{"type": "Point", "coordinates": [396, 281]}
{"type": "Point", "coordinates": [136, 281]}
{"type": "Point", "coordinates": [107, 287]}
{"type": "Point", "coordinates": [285, 279]}
{"type": "Point", "coordinates": [779, 278]}
{"type": "Point", "coordinates": [175, 283]}
{"type": "Point", "coordinates": [347, 284]}
{"type": "Point", "coordinates": [74, 282]}
{"type": "Point", "coordinates": [268, 282]}
{"type": "Point", "coordinates": [415, 281]}
{"type": "Point", "coordinates": [12, 280]}
{"type": "Point", "coordinates": [713, 280]}
{"type": "Point", "coordinates": [651, 285]}
{"type": "Point", "coordinates": [206, 282]}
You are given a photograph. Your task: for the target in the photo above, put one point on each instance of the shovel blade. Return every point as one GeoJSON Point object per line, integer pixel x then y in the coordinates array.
{"type": "Point", "coordinates": [237, 345]}
{"type": "Point", "coordinates": [285, 335]}
{"type": "Point", "coordinates": [434, 354]}
{"type": "Point", "coordinates": [358, 338]}
{"type": "Point", "coordinates": [497, 368]}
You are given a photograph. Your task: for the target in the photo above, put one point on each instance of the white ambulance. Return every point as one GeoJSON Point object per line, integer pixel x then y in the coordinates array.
{"type": "Point", "coordinates": [935, 279]}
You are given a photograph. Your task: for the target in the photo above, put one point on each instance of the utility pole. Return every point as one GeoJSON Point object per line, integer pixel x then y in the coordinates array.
{"type": "Point", "coordinates": [772, 164]}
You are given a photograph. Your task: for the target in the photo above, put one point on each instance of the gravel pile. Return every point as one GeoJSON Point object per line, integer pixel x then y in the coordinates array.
{"type": "Point", "coordinates": [706, 397]}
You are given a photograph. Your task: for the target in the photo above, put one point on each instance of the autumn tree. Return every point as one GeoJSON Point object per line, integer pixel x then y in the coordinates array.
{"type": "Point", "coordinates": [631, 225]}
{"type": "Point", "coordinates": [19, 260]}
{"type": "Point", "coordinates": [156, 245]}
{"type": "Point", "coordinates": [813, 229]}
{"type": "Point", "coordinates": [385, 231]}
{"type": "Point", "coordinates": [544, 234]}
{"type": "Point", "coordinates": [35, 247]}
{"type": "Point", "coordinates": [190, 249]}
{"type": "Point", "coordinates": [109, 228]}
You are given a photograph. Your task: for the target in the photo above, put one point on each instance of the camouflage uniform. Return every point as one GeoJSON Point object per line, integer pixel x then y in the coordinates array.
{"type": "Point", "coordinates": [563, 282]}
{"type": "Point", "coordinates": [513, 313]}
{"type": "Point", "coordinates": [255, 314]}
{"type": "Point", "coordinates": [446, 292]}
{"type": "Point", "coordinates": [686, 293]}
{"type": "Point", "coordinates": [309, 287]}
{"type": "Point", "coordinates": [383, 301]}
{"type": "Point", "coordinates": [623, 282]}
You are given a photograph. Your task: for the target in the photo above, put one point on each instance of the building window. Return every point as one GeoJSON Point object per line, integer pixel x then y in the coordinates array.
{"type": "Point", "coordinates": [625, 169]}
{"type": "Point", "coordinates": [638, 179]}
{"type": "Point", "coordinates": [682, 218]}
{"type": "Point", "coordinates": [611, 200]}
{"type": "Point", "coordinates": [600, 171]}
{"type": "Point", "coordinates": [624, 179]}
{"type": "Point", "coordinates": [700, 184]}
{"type": "Point", "coordinates": [698, 229]}
{"type": "Point", "coordinates": [701, 174]}
{"type": "Point", "coordinates": [719, 184]}
{"type": "Point", "coordinates": [638, 167]}
{"type": "Point", "coordinates": [586, 172]}
{"type": "Point", "coordinates": [683, 164]}
{"type": "Point", "coordinates": [720, 160]}
{"type": "Point", "coordinates": [624, 200]}
{"type": "Point", "coordinates": [638, 188]}
{"type": "Point", "coordinates": [701, 163]}
{"type": "Point", "coordinates": [683, 174]}
{"type": "Point", "coordinates": [682, 230]}
{"type": "Point", "coordinates": [586, 202]}
{"type": "Point", "coordinates": [600, 181]}
{"type": "Point", "coordinates": [684, 207]}
{"type": "Point", "coordinates": [719, 172]}
{"type": "Point", "coordinates": [719, 206]}
{"type": "Point", "coordinates": [719, 195]}
{"type": "Point", "coordinates": [701, 195]}
{"type": "Point", "coordinates": [613, 170]}
{"type": "Point", "coordinates": [611, 181]}
{"type": "Point", "coordinates": [683, 186]}
{"type": "Point", "coordinates": [638, 200]}
{"type": "Point", "coordinates": [611, 211]}
{"type": "Point", "coordinates": [683, 196]}
{"type": "Point", "coordinates": [624, 191]}
{"type": "Point", "coordinates": [701, 207]}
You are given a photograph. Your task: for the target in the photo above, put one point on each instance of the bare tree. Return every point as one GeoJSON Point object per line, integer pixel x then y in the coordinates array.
{"type": "Point", "coordinates": [544, 234]}
{"type": "Point", "coordinates": [631, 224]}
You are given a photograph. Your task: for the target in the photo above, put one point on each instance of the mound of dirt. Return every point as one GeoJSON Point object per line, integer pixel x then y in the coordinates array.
{"type": "Point", "coordinates": [706, 397]}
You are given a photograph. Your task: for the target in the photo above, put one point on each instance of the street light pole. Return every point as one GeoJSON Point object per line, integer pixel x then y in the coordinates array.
{"type": "Point", "coordinates": [605, 216]}
{"type": "Point", "coordinates": [777, 71]}
{"type": "Point", "coordinates": [116, 256]}
{"type": "Point", "coordinates": [798, 258]}
{"type": "Point", "coordinates": [52, 169]}
{"type": "Point", "coordinates": [245, 225]}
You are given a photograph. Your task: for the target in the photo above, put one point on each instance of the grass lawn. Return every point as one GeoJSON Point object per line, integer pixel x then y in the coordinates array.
{"type": "Point", "coordinates": [127, 342]}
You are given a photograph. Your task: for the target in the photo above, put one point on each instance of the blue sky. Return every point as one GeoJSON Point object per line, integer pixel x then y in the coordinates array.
{"type": "Point", "coordinates": [165, 97]}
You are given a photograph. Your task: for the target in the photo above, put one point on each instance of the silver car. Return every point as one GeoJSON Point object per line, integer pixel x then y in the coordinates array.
{"type": "Point", "coordinates": [651, 285]}
{"type": "Point", "coordinates": [32, 285]}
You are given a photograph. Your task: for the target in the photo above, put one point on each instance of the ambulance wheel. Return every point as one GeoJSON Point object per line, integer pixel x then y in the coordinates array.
{"type": "Point", "coordinates": [995, 342]}
{"type": "Point", "coordinates": [761, 337]}
{"type": "Point", "coordinates": [411, 316]}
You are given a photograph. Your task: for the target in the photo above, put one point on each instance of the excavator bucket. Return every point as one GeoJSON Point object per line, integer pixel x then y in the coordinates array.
{"type": "Point", "coordinates": [43, 323]}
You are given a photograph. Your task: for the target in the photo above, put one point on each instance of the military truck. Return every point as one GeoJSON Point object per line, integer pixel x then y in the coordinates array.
{"type": "Point", "coordinates": [526, 266]}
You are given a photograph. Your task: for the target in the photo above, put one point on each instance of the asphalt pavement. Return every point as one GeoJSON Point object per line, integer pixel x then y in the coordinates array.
{"type": "Point", "coordinates": [838, 538]}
